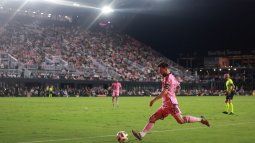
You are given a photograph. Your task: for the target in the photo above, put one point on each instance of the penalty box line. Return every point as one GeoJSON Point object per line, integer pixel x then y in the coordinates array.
{"type": "Point", "coordinates": [172, 130]}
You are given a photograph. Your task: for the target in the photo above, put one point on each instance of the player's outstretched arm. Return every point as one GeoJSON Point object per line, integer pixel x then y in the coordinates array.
{"type": "Point", "coordinates": [163, 93]}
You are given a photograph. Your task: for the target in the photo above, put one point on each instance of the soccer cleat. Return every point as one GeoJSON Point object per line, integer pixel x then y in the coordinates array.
{"type": "Point", "coordinates": [231, 113]}
{"type": "Point", "coordinates": [225, 112]}
{"type": "Point", "coordinates": [205, 121]}
{"type": "Point", "coordinates": [137, 135]}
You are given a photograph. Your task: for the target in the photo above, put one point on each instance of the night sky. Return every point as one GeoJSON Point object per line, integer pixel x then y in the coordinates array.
{"type": "Point", "coordinates": [185, 26]}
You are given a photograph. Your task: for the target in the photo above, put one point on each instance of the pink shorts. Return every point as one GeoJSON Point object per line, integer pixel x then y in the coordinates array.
{"type": "Point", "coordinates": [115, 94]}
{"type": "Point", "coordinates": [163, 112]}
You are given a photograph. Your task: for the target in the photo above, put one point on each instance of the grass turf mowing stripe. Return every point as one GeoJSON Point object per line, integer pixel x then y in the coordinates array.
{"type": "Point", "coordinates": [172, 130]}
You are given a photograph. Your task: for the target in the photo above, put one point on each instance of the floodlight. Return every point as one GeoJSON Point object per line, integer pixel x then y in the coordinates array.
{"type": "Point", "coordinates": [107, 10]}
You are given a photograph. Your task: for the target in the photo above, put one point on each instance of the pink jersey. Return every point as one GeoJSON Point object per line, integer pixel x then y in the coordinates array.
{"type": "Point", "coordinates": [170, 83]}
{"type": "Point", "coordinates": [116, 86]}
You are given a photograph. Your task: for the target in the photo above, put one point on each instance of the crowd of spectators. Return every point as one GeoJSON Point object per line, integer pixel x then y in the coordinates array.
{"type": "Point", "coordinates": [41, 46]}
{"type": "Point", "coordinates": [43, 91]}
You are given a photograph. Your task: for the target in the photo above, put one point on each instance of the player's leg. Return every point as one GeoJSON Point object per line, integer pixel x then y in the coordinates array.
{"type": "Point", "coordinates": [113, 100]}
{"type": "Point", "coordinates": [231, 106]}
{"type": "Point", "coordinates": [226, 105]}
{"type": "Point", "coordinates": [186, 119]}
{"type": "Point", "coordinates": [176, 113]}
{"type": "Point", "coordinates": [117, 102]}
{"type": "Point", "coordinates": [190, 119]}
{"type": "Point", "coordinates": [117, 98]}
{"type": "Point", "coordinates": [159, 114]}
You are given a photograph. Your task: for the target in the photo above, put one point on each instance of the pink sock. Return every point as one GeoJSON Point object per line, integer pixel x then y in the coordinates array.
{"type": "Point", "coordinates": [191, 119]}
{"type": "Point", "coordinates": [148, 127]}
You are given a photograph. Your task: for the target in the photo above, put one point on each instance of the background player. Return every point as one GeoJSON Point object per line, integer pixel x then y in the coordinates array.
{"type": "Point", "coordinates": [116, 88]}
{"type": "Point", "coordinates": [230, 92]}
{"type": "Point", "coordinates": [169, 104]}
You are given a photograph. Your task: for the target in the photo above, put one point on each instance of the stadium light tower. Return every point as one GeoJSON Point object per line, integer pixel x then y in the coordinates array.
{"type": "Point", "coordinates": [107, 10]}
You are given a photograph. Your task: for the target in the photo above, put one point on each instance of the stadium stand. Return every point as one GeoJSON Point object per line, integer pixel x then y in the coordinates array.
{"type": "Point", "coordinates": [36, 47]}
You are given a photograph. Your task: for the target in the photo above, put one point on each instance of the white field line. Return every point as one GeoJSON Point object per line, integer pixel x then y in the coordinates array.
{"type": "Point", "coordinates": [104, 136]}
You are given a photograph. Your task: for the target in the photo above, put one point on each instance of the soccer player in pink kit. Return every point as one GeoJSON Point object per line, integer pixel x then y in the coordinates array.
{"type": "Point", "coordinates": [116, 87]}
{"type": "Point", "coordinates": [169, 104]}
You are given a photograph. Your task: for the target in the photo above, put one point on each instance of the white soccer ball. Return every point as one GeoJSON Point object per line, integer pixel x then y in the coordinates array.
{"type": "Point", "coordinates": [122, 137]}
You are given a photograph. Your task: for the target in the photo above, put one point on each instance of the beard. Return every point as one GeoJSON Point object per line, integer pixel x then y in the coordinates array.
{"type": "Point", "coordinates": [164, 74]}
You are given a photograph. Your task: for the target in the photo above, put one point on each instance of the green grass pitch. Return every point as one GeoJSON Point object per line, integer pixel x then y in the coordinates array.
{"type": "Point", "coordinates": [94, 120]}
